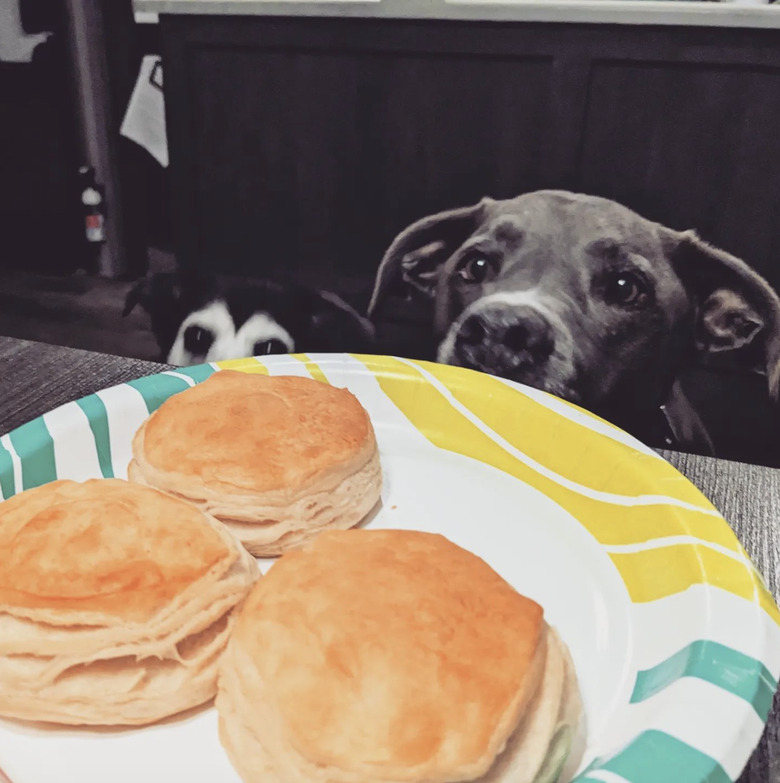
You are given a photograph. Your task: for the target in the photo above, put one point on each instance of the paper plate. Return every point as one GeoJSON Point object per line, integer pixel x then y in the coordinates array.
{"type": "Point", "coordinates": [674, 636]}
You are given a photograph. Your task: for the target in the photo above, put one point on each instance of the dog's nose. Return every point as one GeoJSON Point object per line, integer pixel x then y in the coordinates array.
{"type": "Point", "coordinates": [529, 336]}
{"type": "Point", "coordinates": [517, 330]}
{"type": "Point", "coordinates": [472, 331]}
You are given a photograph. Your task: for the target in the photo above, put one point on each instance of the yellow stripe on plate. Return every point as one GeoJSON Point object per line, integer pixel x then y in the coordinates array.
{"type": "Point", "coordinates": [563, 445]}
{"type": "Point", "coordinates": [250, 365]}
{"type": "Point", "coordinates": [312, 367]}
{"type": "Point", "coordinates": [609, 523]}
{"type": "Point", "coordinates": [656, 573]}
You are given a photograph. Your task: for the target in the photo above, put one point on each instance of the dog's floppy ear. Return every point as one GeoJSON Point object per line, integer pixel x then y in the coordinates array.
{"type": "Point", "coordinates": [159, 291]}
{"type": "Point", "coordinates": [159, 295]}
{"type": "Point", "coordinates": [166, 297]}
{"type": "Point", "coordinates": [417, 253]}
{"type": "Point", "coordinates": [726, 321]}
{"type": "Point", "coordinates": [149, 291]}
{"type": "Point", "coordinates": [735, 305]}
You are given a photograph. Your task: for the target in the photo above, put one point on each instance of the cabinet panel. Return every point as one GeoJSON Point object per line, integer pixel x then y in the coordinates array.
{"type": "Point", "coordinates": [316, 158]}
{"type": "Point", "coordinates": [692, 146]}
{"type": "Point", "coordinates": [40, 221]}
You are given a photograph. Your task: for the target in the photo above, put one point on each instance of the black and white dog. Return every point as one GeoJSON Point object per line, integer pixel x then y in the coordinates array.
{"type": "Point", "coordinates": [583, 298]}
{"type": "Point", "coordinates": [199, 318]}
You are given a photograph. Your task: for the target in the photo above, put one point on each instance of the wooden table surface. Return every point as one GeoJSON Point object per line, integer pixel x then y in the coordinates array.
{"type": "Point", "coordinates": [34, 378]}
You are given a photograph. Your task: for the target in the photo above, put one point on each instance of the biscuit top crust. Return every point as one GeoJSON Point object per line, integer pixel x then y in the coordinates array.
{"type": "Point", "coordinates": [240, 433]}
{"type": "Point", "coordinates": [392, 654]}
{"type": "Point", "coordinates": [106, 547]}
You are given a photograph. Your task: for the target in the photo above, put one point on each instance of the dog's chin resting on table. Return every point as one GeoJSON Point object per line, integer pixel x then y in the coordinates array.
{"type": "Point", "coordinates": [581, 297]}
{"type": "Point", "coordinates": [200, 318]}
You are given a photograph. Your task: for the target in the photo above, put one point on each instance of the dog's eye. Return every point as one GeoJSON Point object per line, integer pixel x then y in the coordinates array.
{"type": "Point", "coordinates": [625, 288]}
{"type": "Point", "coordinates": [266, 347]}
{"type": "Point", "coordinates": [197, 340]}
{"type": "Point", "coordinates": [474, 269]}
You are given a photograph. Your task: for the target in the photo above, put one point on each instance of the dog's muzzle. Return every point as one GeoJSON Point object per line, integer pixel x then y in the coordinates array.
{"type": "Point", "coordinates": [505, 340]}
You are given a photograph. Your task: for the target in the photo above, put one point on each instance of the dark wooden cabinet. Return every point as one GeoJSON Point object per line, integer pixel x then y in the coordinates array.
{"type": "Point", "coordinates": [303, 146]}
{"type": "Point", "coordinates": [40, 219]}
{"type": "Point", "coordinates": [312, 142]}
{"type": "Point", "coordinates": [691, 146]}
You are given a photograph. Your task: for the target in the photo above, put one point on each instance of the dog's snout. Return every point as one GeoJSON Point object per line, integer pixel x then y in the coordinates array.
{"type": "Point", "coordinates": [505, 339]}
{"type": "Point", "coordinates": [516, 329]}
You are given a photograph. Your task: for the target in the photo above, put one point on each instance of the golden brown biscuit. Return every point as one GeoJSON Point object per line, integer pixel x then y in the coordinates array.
{"type": "Point", "coordinates": [276, 458]}
{"type": "Point", "coordinates": [389, 656]}
{"type": "Point", "coordinates": [115, 603]}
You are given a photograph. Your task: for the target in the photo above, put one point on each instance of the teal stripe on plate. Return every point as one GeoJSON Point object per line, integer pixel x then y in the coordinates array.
{"type": "Point", "coordinates": [717, 664]}
{"type": "Point", "coordinates": [35, 447]}
{"type": "Point", "coordinates": [586, 779]}
{"type": "Point", "coordinates": [6, 473]}
{"type": "Point", "coordinates": [155, 389]}
{"type": "Point", "coordinates": [657, 757]}
{"type": "Point", "coordinates": [198, 373]}
{"type": "Point", "coordinates": [97, 416]}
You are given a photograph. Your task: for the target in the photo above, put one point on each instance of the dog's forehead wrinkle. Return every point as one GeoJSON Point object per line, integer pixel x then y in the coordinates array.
{"type": "Point", "coordinates": [508, 228]}
{"type": "Point", "coordinates": [607, 245]}
{"type": "Point", "coordinates": [581, 206]}
{"type": "Point", "coordinates": [611, 254]}
{"type": "Point", "coordinates": [582, 215]}
{"type": "Point", "coordinates": [640, 261]}
{"type": "Point", "coordinates": [560, 227]}
{"type": "Point", "coordinates": [479, 241]}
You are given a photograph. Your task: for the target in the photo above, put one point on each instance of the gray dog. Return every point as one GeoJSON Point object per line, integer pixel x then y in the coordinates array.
{"type": "Point", "coordinates": [583, 298]}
